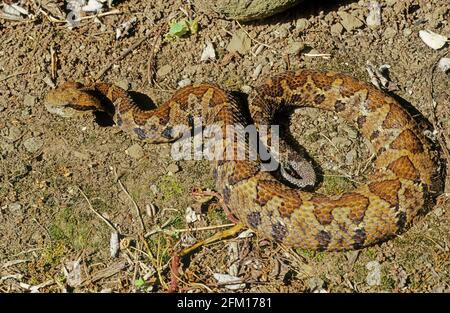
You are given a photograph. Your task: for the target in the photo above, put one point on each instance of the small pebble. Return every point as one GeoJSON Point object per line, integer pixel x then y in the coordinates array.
{"type": "Point", "coordinates": [173, 168]}
{"type": "Point", "coordinates": [349, 21]}
{"type": "Point", "coordinates": [374, 273]}
{"type": "Point", "coordinates": [14, 134]}
{"type": "Point", "coordinates": [208, 53]}
{"type": "Point", "coordinates": [164, 70]}
{"type": "Point", "coordinates": [301, 24]}
{"type": "Point", "coordinates": [15, 207]}
{"type": "Point", "coordinates": [124, 84]}
{"type": "Point", "coordinates": [295, 47]}
{"type": "Point", "coordinates": [26, 112]}
{"type": "Point", "coordinates": [49, 82]}
{"type": "Point", "coordinates": [350, 157]}
{"type": "Point", "coordinates": [351, 132]}
{"type": "Point", "coordinates": [390, 32]}
{"type": "Point", "coordinates": [33, 144]}
{"type": "Point", "coordinates": [135, 151]}
{"type": "Point", "coordinates": [407, 32]}
{"type": "Point", "coordinates": [336, 29]}
{"type": "Point", "coordinates": [374, 18]}
{"type": "Point", "coordinates": [154, 189]}
{"type": "Point", "coordinates": [341, 141]}
{"type": "Point", "coordinates": [184, 82]}
{"type": "Point", "coordinates": [315, 283]}
{"type": "Point", "coordinates": [444, 64]}
{"type": "Point", "coordinates": [257, 71]}
{"type": "Point", "coordinates": [240, 42]}
{"type": "Point", "coordinates": [246, 89]}
{"type": "Point", "coordinates": [432, 40]}
{"type": "Point", "coordinates": [29, 100]}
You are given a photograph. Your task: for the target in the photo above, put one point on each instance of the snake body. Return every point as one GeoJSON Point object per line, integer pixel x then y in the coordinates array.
{"type": "Point", "coordinates": [396, 193]}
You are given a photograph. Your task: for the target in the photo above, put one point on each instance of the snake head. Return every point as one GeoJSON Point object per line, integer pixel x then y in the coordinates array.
{"type": "Point", "coordinates": [299, 173]}
{"type": "Point", "coordinates": [72, 99]}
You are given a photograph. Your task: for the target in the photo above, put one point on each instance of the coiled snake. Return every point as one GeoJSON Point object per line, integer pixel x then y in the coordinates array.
{"type": "Point", "coordinates": [396, 192]}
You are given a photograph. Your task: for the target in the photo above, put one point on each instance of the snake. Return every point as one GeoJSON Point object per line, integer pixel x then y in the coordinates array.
{"type": "Point", "coordinates": [398, 191]}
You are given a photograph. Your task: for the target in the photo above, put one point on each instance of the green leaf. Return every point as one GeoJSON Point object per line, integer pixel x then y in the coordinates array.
{"type": "Point", "coordinates": [139, 282]}
{"type": "Point", "coordinates": [193, 26]}
{"type": "Point", "coordinates": [178, 29]}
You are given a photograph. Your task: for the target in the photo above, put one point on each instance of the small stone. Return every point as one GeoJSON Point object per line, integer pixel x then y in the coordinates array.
{"type": "Point", "coordinates": [26, 112]}
{"type": "Point", "coordinates": [282, 31]}
{"type": "Point", "coordinates": [33, 144]}
{"type": "Point", "coordinates": [190, 215]}
{"type": "Point", "coordinates": [444, 64]}
{"type": "Point", "coordinates": [351, 132]}
{"type": "Point", "coordinates": [6, 147]}
{"type": "Point", "coordinates": [295, 47]}
{"type": "Point", "coordinates": [337, 29]}
{"type": "Point", "coordinates": [341, 141]}
{"type": "Point", "coordinates": [257, 71]}
{"type": "Point", "coordinates": [374, 18]}
{"type": "Point", "coordinates": [352, 256]}
{"type": "Point", "coordinates": [208, 52]}
{"type": "Point", "coordinates": [114, 245]}
{"type": "Point", "coordinates": [164, 70]}
{"type": "Point", "coordinates": [29, 100]}
{"type": "Point", "coordinates": [374, 273]}
{"type": "Point", "coordinates": [302, 24]}
{"type": "Point", "coordinates": [135, 151]}
{"type": "Point", "coordinates": [390, 32]}
{"type": "Point", "coordinates": [246, 89]}
{"type": "Point", "coordinates": [124, 84]}
{"type": "Point", "coordinates": [407, 32]}
{"type": "Point", "coordinates": [349, 21]}
{"type": "Point", "coordinates": [240, 42]}
{"type": "Point", "coordinates": [439, 211]}
{"type": "Point", "coordinates": [49, 82]}
{"type": "Point", "coordinates": [438, 289]}
{"type": "Point", "coordinates": [173, 168]}
{"type": "Point", "coordinates": [351, 156]}
{"type": "Point", "coordinates": [184, 82]}
{"type": "Point", "coordinates": [154, 188]}
{"type": "Point", "coordinates": [432, 40]}
{"type": "Point", "coordinates": [315, 283]}
{"type": "Point", "coordinates": [401, 277]}
{"type": "Point", "coordinates": [14, 134]}
{"type": "Point", "coordinates": [15, 207]}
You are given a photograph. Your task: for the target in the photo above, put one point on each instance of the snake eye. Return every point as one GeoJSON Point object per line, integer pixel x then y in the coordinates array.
{"type": "Point", "coordinates": [168, 132]}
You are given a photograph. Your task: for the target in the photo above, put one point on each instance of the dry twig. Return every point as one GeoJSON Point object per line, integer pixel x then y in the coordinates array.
{"type": "Point", "coordinates": [96, 213]}
{"type": "Point", "coordinates": [138, 212]}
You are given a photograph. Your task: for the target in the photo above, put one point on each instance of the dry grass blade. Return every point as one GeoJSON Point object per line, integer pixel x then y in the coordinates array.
{"type": "Point", "coordinates": [151, 60]}
{"type": "Point", "coordinates": [53, 62]}
{"type": "Point", "coordinates": [110, 225]}
{"type": "Point", "coordinates": [136, 208]}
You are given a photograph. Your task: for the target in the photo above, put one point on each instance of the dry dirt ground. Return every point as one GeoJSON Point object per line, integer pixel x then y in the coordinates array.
{"type": "Point", "coordinates": [55, 172]}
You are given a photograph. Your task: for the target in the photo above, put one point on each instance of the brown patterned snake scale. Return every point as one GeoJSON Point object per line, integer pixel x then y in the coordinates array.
{"type": "Point", "coordinates": [396, 192]}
